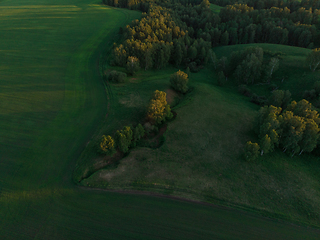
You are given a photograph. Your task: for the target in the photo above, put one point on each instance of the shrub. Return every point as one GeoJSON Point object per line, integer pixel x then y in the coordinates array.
{"type": "Point", "coordinates": [316, 87]}
{"type": "Point", "coordinates": [179, 81]}
{"type": "Point", "coordinates": [259, 100]}
{"type": "Point", "coordinates": [244, 90]}
{"type": "Point", "coordinates": [116, 77]}
{"type": "Point", "coordinates": [309, 95]}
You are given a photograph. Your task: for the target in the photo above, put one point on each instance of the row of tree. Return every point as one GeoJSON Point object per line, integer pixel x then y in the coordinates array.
{"type": "Point", "coordinates": [294, 129]}
{"type": "Point", "coordinates": [158, 111]}
{"type": "Point", "coordinates": [123, 140]}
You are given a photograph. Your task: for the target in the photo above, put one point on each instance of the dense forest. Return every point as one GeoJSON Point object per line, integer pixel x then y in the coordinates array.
{"type": "Point", "coordinates": [182, 32]}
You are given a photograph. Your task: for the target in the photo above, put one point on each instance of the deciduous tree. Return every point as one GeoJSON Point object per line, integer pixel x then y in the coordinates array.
{"type": "Point", "coordinates": [179, 81]}
{"type": "Point", "coordinates": [133, 65]}
{"type": "Point", "coordinates": [313, 59]}
{"type": "Point", "coordinates": [107, 145]}
{"type": "Point", "coordinates": [251, 151]}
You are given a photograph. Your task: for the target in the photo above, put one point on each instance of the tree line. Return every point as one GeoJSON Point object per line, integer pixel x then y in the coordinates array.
{"type": "Point", "coordinates": [181, 32]}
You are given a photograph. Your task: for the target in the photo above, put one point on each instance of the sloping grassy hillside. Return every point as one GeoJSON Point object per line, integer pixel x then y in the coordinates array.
{"type": "Point", "coordinates": [202, 159]}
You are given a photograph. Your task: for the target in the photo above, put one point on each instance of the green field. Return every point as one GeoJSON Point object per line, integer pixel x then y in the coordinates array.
{"type": "Point", "coordinates": [52, 100]}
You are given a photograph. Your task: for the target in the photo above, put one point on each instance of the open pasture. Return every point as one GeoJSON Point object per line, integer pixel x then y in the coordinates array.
{"type": "Point", "coordinates": [51, 101]}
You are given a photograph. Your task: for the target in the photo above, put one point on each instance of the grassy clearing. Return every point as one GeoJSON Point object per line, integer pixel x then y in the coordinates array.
{"type": "Point", "coordinates": [52, 101]}
{"type": "Point", "coordinates": [293, 73]}
{"type": "Point", "coordinates": [202, 155]}
{"type": "Point", "coordinates": [215, 8]}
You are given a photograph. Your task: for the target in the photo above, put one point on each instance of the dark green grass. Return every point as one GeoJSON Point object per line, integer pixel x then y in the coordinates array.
{"type": "Point", "coordinates": [215, 8]}
{"type": "Point", "coordinates": [52, 100]}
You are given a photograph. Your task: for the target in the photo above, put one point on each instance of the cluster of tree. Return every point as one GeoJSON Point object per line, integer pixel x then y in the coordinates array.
{"type": "Point", "coordinates": [123, 140]}
{"type": "Point", "coordinates": [158, 109]}
{"type": "Point", "coordinates": [115, 76]}
{"type": "Point", "coordinates": [247, 66]}
{"type": "Point", "coordinates": [295, 129]}
{"type": "Point", "coordinates": [179, 81]}
{"type": "Point", "coordinates": [160, 38]}
{"type": "Point", "coordinates": [158, 112]}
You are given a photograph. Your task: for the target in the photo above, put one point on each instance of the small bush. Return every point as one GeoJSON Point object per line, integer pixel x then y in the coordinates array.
{"type": "Point", "coordinates": [259, 100]}
{"type": "Point", "coordinates": [116, 77]}
{"type": "Point", "coordinates": [309, 95]}
{"type": "Point", "coordinates": [244, 90]}
{"type": "Point", "coordinates": [273, 87]}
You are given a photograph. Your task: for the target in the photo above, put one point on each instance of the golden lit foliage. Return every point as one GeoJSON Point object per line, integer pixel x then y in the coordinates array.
{"type": "Point", "coordinates": [107, 144]}
{"type": "Point", "coordinates": [158, 109]}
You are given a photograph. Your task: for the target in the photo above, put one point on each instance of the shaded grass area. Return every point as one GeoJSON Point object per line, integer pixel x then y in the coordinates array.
{"type": "Point", "coordinates": [215, 8]}
{"type": "Point", "coordinates": [202, 159]}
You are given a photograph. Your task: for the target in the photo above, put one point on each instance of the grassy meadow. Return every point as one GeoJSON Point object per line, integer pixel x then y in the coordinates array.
{"type": "Point", "coordinates": [52, 102]}
{"type": "Point", "coordinates": [202, 156]}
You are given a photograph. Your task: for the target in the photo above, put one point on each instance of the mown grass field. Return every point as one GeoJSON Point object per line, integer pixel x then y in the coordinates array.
{"type": "Point", "coordinates": [202, 157]}
{"type": "Point", "coordinates": [52, 100]}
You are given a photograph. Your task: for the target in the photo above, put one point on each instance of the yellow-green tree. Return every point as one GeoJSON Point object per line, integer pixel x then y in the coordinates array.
{"type": "Point", "coordinates": [107, 145]}
{"type": "Point", "coordinates": [179, 81]}
{"type": "Point", "coordinates": [158, 110]}
{"type": "Point", "coordinates": [251, 151]}
{"type": "Point", "coordinates": [124, 138]}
